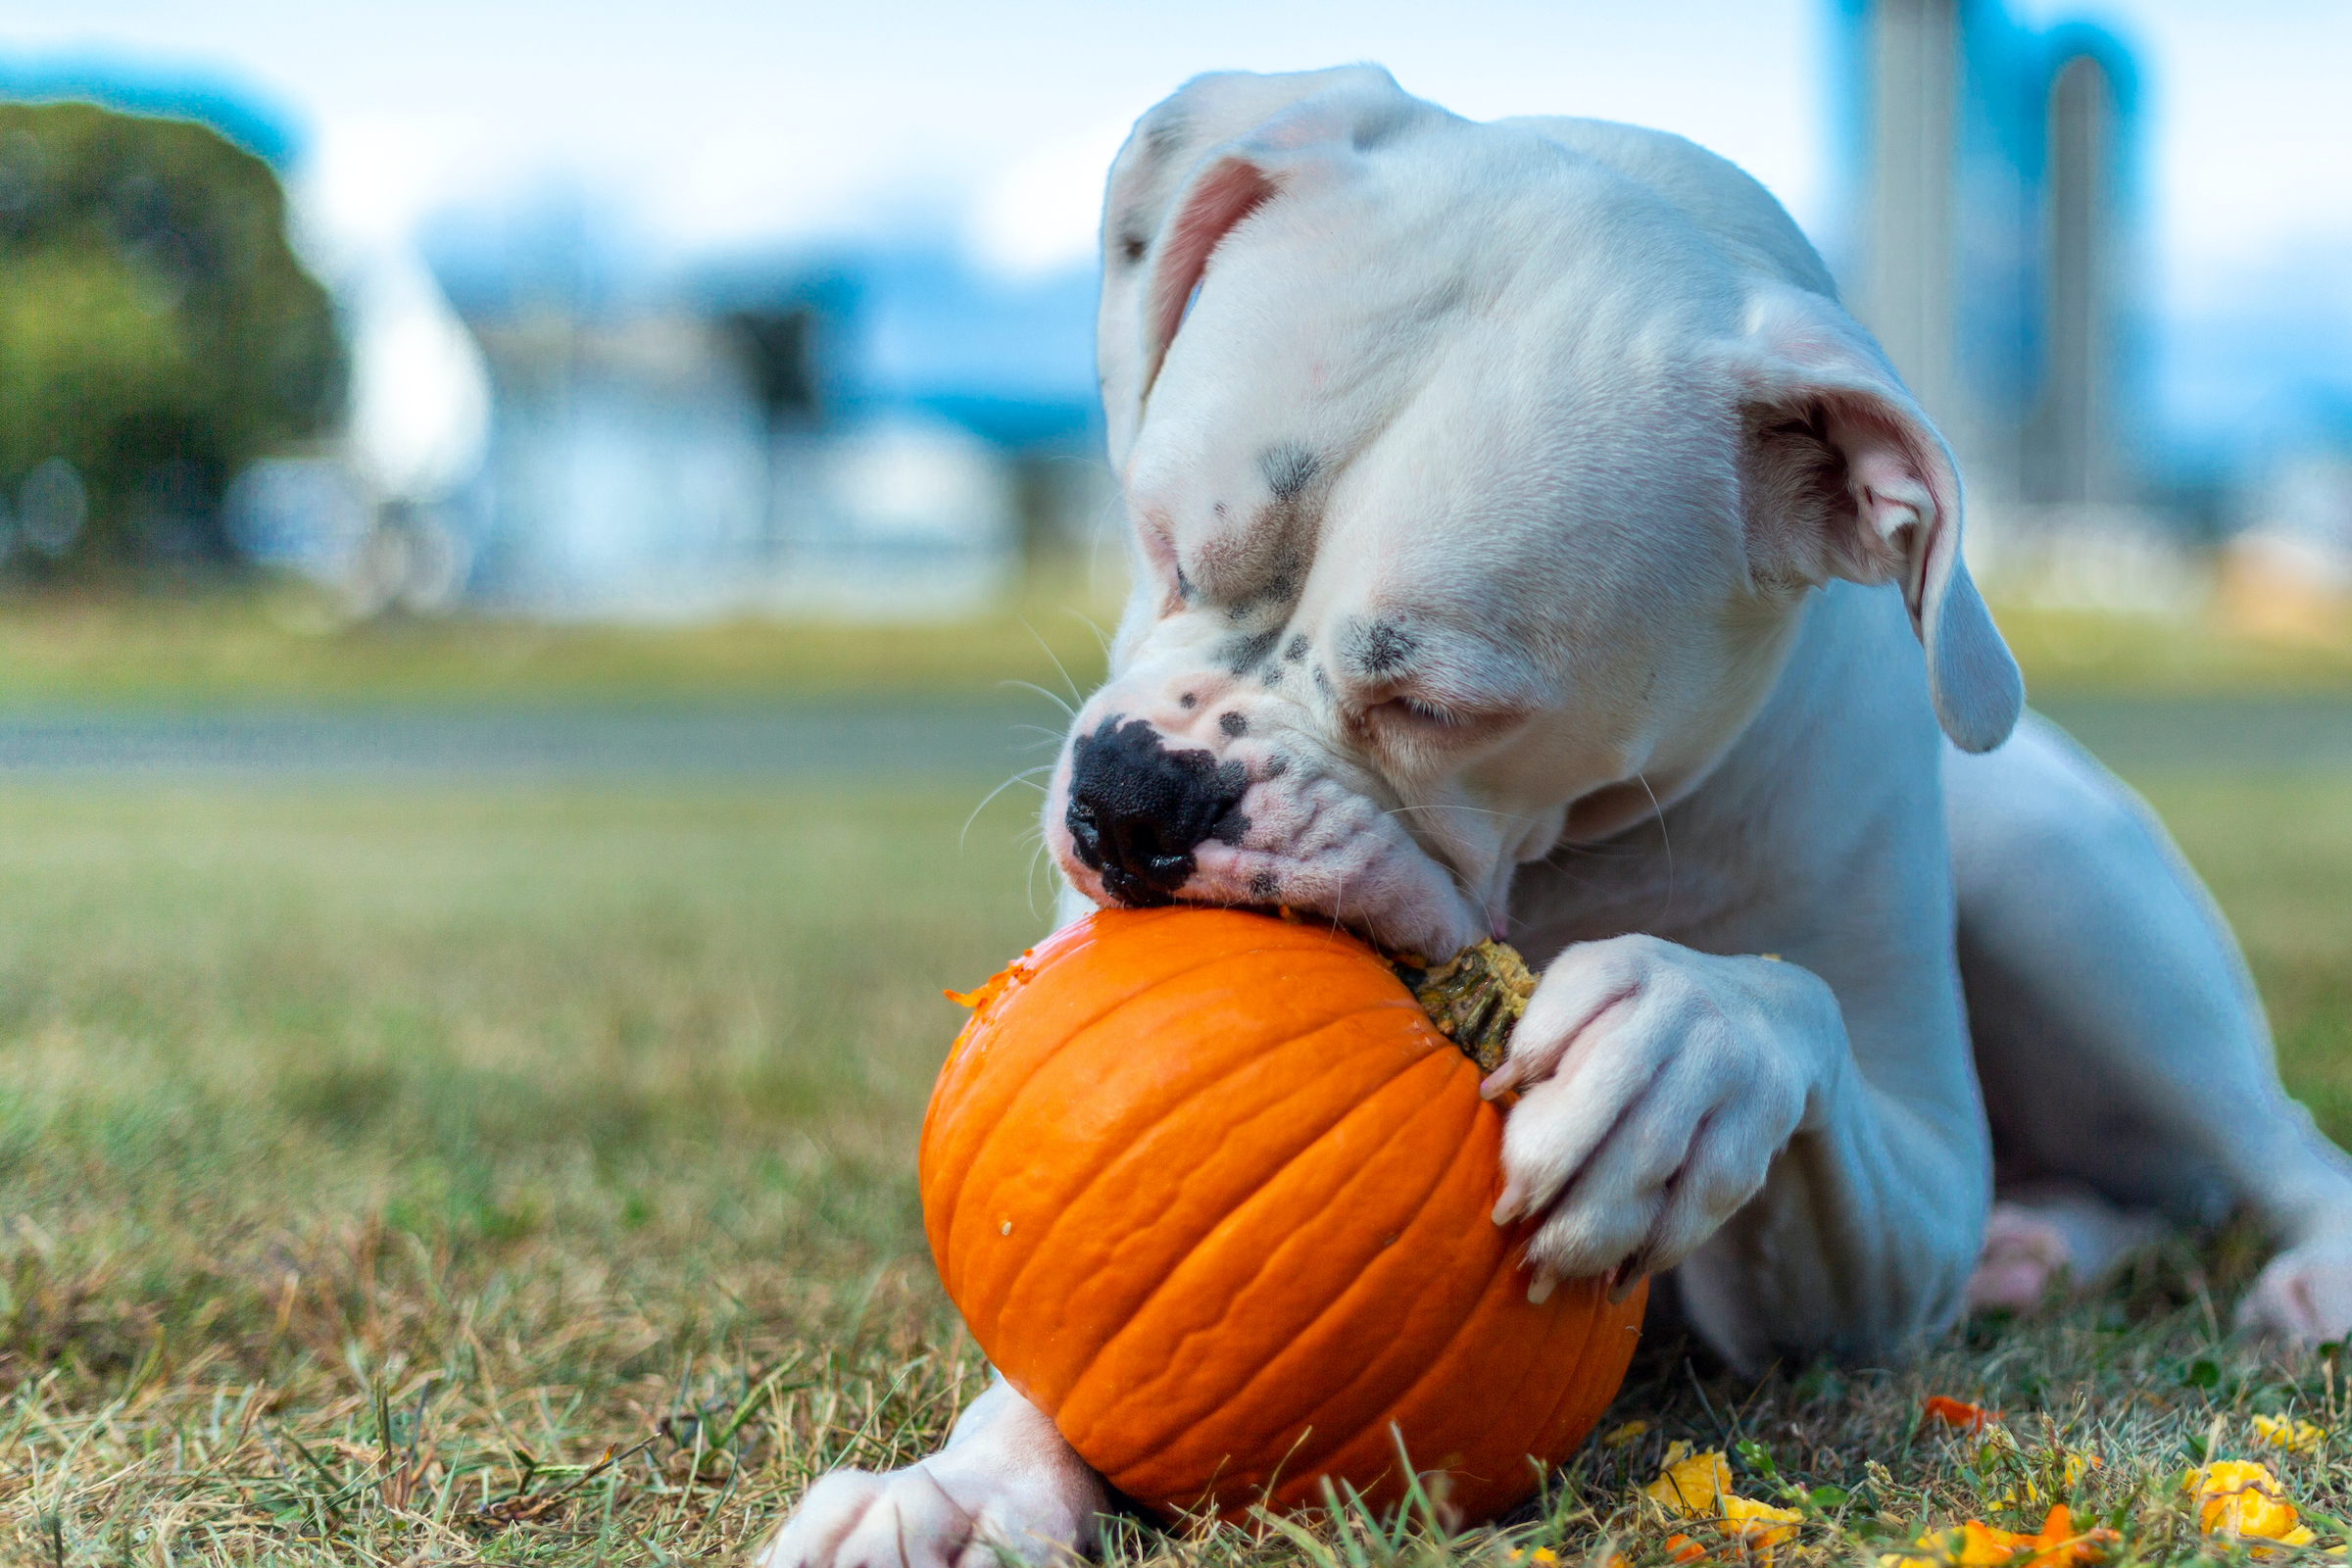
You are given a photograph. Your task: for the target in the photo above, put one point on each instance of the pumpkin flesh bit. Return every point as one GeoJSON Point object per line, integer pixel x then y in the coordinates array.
{"type": "Point", "coordinates": [1213, 1194]}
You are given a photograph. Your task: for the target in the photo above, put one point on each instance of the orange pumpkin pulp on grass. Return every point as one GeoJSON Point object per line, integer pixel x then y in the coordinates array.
{"type": "Point", "coordinates": [1213, 1194]}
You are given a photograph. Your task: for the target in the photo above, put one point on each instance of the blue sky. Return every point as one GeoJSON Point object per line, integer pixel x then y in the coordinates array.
{"type": "Point", "coordinates": [698, 127]}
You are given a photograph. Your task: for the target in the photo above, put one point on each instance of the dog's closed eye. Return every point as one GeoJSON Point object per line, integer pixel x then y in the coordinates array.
{"type": "Point", "coordinates": [1413, 711]}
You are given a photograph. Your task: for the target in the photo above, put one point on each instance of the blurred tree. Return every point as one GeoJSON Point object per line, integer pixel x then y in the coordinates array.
{"type": "Point", "coordinates": [156, 335]}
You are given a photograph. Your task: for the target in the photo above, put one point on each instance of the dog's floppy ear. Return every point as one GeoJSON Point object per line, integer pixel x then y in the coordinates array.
{"type": "Point", "coordinates": [1842, 475]}
{"type": "Point", "coordinates": [1193, 169]}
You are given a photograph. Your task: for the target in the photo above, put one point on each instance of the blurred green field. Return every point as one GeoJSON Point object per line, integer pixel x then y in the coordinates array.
{"type": "Point", "coordinates": [285, 644]}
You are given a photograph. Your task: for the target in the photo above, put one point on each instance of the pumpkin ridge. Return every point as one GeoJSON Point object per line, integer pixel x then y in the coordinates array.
{"type": "Point", "coordinates": [980, 1146]}
{"type": "Point", "coordinates": [1266, 1262]}
{"type": "Point", "coordinates": [1490, 1313]}
{"type": "Point", "coordinates": [1107, 1172]}
{"type": "Point", "coordinates": [950, 1188]}
{"type": "Point", "coordinates": [1307, 1451]}
{"type": "Point", "coordinates": [1595, 1319]}
{"type": "Point", "coordinates": [1433, 1361]}
{"type": "Point", "coordinates": [1562, 1333]}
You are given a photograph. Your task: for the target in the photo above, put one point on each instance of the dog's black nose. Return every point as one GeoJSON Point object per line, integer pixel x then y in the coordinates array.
{"type": "Point", "coordinates": [1137, 808]}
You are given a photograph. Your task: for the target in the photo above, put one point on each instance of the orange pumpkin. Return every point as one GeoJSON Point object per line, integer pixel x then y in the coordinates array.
{"type": "Point", "coordinates": [1213, 1194]}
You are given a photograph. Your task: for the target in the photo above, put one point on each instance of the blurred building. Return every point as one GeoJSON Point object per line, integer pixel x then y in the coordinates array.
{"type": "Point", "coordinates": [1994, 244]}
{"type": "Point", "coordinates": [866, 434]}
{"type": "Point", "coordinates": [766, 437]}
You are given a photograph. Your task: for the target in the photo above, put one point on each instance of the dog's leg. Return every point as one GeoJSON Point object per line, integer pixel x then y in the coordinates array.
{"type": "Point", "coordinates": [2117, 1034]}
{"type": "Point", "coordinates": [1006, 1485]}
{"type": "Point", "coordinates": [1686, 1108]}
{"type": "Point", "coordinates": [2054, 1234]}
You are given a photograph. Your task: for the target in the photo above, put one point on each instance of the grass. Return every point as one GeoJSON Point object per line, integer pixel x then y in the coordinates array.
{"type": "Point", "coordinates": [277, 645]}
{"type": "Point", "coordinates": [479, 1176]}
{"type": "Point", "coordinates": [491, 1128]}
{"type": "Point", "coordinates": [2114, 654]}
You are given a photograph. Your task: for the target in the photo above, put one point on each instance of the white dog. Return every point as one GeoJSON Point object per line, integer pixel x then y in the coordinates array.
{"type": "Point", "coordinates": [1526, 542]}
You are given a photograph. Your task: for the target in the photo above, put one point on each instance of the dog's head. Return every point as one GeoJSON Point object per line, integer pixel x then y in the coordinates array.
{"type": "Point", "coordinates": [1474, 488]}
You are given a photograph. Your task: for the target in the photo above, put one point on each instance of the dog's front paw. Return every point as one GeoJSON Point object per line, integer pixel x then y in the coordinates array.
{"type": "Point", "coordinates": [1656, 1086]}
{"type": "Point", "coordinates": [2303, 1296]}
{"type": "Point", "coordinates": [946, 1512]}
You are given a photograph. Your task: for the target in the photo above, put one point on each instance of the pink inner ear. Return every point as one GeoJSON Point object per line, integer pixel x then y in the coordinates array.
{"type": "Point", "coordinates": [1221, 196]}
{"type": "Point", "coordinates": [1892, 494]}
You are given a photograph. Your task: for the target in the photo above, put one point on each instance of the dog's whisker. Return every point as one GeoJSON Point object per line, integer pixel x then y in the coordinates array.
{"type": "Point", "coordinates": [1108, 516]}
{"type": "Point", "coordinates": [1051, 697]}
{"type": "Point", "coordinates": [1060, 670]}
{"type": "Point", "coordinates": [1088, 621]}
{"type": "Point", "coordinates": [1029, 877]}
{"type": "Point", "coordinates": [1552, 865]}
{"type": "Point", "coordinates": [1022, 777]}
{"type": "Point", "coordinates": [1664, 840]}
{"type": "Point", "coordinates": [1445, 806]}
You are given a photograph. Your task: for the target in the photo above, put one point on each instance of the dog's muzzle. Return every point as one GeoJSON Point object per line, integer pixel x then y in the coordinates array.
{"type": "Point", "coordinates": [1136, 810]}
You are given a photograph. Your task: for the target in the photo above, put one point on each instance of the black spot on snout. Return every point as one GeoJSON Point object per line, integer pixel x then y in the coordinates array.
{"type": "Point", "coordinates": [1138, 811]}
{"type": "Point", "coordinates": [1294, 649]}
{"type": "Point", "coordinates": [1188, 700]}
{"type": "Point", "coordinates": [1233, 723]}
{"type": "Point", "coordinates": [1377, 648]}
{"type": "Point", "coordinates": [1288, 470]}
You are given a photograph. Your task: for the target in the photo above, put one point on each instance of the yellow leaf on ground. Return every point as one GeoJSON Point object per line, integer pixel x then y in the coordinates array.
{"type": "Point", "coordinates": [1688, 1483]}
{"type": "Point", "coordinates": [1698, 1486]}
{"type": "Point", "coordinates": [2240, 1500]}
{"type": "Point", "coordinates": [1758, 1525]}
{"type": "Point", "coordinates": [1619, 1437]}
{"type": "Point", "coordinates": [2283, 1432]}
{"type": "Point", "coordinates": [2078, 1463]}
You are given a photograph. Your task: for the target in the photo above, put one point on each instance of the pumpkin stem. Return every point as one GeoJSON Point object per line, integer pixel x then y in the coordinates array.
{"type": "Point", "coordinates": [1475, 997]}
